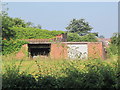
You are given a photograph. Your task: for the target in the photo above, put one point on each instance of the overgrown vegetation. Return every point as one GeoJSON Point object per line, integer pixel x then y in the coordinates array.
{"type": "Point", "coordinates": [114, 45]}
{"type": "Point", "coordinates": [74, 37]}
{"type": "Point", "coordinates": [14, 29]}
{"type": "Point", "coordinates": [60, 74]}
{"type": "Point", "coordinates": [34, 33]}
{"type": "Point", "coordinates": [12, 46]}
{"type": "Point", "coordinates": [54, 74]}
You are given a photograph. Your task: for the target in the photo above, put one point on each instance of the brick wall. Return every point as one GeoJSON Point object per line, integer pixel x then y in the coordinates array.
{"type": "Point", "coordinates": [96, 50]}
{"type": "Point", "coordinates": [58, 51]}
{"type": "Point", "coordinates": [23, 52]}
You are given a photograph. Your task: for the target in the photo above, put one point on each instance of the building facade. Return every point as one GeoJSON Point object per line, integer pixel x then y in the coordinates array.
{"type": "Point", "coordinates": [64, 50]}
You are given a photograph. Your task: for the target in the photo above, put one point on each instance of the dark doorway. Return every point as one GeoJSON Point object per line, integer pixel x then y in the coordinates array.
{"type": "Point", "coordinates": [39, 49]}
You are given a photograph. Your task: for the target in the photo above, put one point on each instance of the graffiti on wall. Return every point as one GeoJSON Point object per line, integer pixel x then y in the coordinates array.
{"type": "Point", "coordinates": [77, 51]}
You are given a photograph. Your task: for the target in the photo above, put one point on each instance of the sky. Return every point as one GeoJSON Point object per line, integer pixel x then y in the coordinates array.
{"type": "Point", "coordinates": [102, 16]}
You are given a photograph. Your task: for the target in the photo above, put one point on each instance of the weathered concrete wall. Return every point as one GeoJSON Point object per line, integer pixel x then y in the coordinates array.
{"type": "Point", "coordinates": [58, 51]}
{"type": "Point", "coordinates": [78, 51]}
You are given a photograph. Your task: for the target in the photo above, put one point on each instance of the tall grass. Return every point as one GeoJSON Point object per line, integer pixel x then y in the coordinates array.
{"type": "Point", "coordinates": [60, 74]}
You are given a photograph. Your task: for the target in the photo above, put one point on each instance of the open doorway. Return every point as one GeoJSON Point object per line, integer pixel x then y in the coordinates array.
{"type": "Point", "coordinates": [36, 50]}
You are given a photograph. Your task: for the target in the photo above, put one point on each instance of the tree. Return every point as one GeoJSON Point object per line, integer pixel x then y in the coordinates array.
{"type": "Point", "coordinates": [38, 26]}
{"type": "Point", "coordinates": [29, 24]}
{"type": "Point", "coordinates": [115, 39]}
{"type": "Point", "coordinates": [101, 36]}
{"type": "Point", "coordinates": [114, 45]}
{"type": "Point", "coordinates": [7, 23]}
{"type": "Point", "coordinates": [79, 26]}
{"type": "Point", "coordinates": [74, 37]}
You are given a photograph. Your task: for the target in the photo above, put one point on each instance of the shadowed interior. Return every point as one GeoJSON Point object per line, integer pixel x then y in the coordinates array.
{"type": "Point", "coordinates": [39, 49]}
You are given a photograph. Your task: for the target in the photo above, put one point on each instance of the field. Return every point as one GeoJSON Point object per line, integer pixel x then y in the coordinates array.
{"type": "Point", "coordinates": [39, 73]}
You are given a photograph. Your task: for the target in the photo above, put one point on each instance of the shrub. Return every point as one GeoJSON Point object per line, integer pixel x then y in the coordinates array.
{"type": "Point", "coordinates": [34, 33]}
{"type": "Point", "coordinates": [12, 46]}
{"type": "Point", "coordinates": [13, 78]}
{"type": "Point", "coordinates": [112, 50]}
{"type": "Point", "coordinates": [92, 74]}
{"type": "Point", "coordinates": [114, 45]}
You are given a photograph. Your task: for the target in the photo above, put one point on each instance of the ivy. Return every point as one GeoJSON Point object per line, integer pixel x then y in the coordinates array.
{"type": "Point", "coordinates": [34, 33]}
{"type": "Point", "coordinates": [11, 46]}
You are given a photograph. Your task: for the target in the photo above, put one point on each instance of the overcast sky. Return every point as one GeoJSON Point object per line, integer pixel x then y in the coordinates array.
{"type": "Point", "coordinates": [102, 16]}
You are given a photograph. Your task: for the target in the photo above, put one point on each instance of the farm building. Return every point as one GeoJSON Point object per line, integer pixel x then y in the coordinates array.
{"type": "Point", "coordinates": [59, 48]}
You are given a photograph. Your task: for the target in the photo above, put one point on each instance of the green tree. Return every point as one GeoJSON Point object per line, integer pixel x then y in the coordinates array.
{"type": "Point", "coordinates": [101, 36]}
{"type": "Point", "coordinates": [29, 24]}
{"type": "Point", "coordinates": [7, 23]}
{"type": "Point", "coordinates": [114, 45]}
{"type": "Point", "coordinates": [74, 37]}
{"type": "Point", "coordinates": [38, 26]}
{"type": "Point", "coordinates": [115, 39]}
{"type": "Point", "coordinates": [79, 26]}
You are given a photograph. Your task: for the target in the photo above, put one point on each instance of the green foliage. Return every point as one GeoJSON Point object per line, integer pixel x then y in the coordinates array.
{"type": "Point", "coordinates": [34, 33]}
{"type": "Point", "coordinates": [115, 39]}
{"type": "Point", "coordinates": [11, 46]}
{"type": "Point", "coordinates": [101, 36]}
{"type": "Point", "coordinates": [77, 74]}
{"type": "Point", "coordinates": [74, 37]}
{"type": "Point", "coordinates": [114, 45]}
{"type": "Point", "coordinates": [7, 23]}
{"type": "Point", "coordinates": [13, 78]}
{"type": "Point", "coordinates": [79, 26]}
{"type": "Point", "coordinates": [112, 50]}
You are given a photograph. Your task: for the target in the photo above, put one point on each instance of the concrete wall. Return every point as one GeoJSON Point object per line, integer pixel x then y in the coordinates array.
{"type": "Point", "coordinates": [78, 51]}
{"type": "Point", "coordinates": [23, 52]}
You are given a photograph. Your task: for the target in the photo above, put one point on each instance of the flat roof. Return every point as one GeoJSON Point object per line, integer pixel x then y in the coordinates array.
{"type": "Point", "coordinates": [62, 42]}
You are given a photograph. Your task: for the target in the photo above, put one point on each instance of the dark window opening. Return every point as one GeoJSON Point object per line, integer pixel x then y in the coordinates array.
{"type": "Point", "coordinates": [39, 49]}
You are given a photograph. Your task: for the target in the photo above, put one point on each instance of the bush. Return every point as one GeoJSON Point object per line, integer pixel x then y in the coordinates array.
{"type": "Point", "coordinates": [92, 74]}
{"type": "Point", "coordinates": [112, 50]}
{"type": "Point", "coordinates": [34, 33]}
{"type": "Point", "coordinates": [114, 46]}
{"type": "Point", "coordinates": [13, 78]}
{"type": "Point", "coordinates": [12, 46]}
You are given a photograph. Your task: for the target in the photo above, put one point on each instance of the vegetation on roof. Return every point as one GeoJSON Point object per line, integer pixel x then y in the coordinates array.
{"type": "Point", "coordinates": [34, 33]}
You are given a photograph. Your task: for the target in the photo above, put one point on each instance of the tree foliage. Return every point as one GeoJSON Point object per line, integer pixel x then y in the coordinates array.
{"type": "Point", "coordinates": [114, 45]}
{"type": "Point", "coordinates": [115, 39]}
{"type": "Point", "coordinates": [101, 36]}
{"type": "Point", "coordinates": [7, 23]}
{"type": "Point", "coordinates": [74, 37]}
{"type": "Point", "coordinates": [79, 26]}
